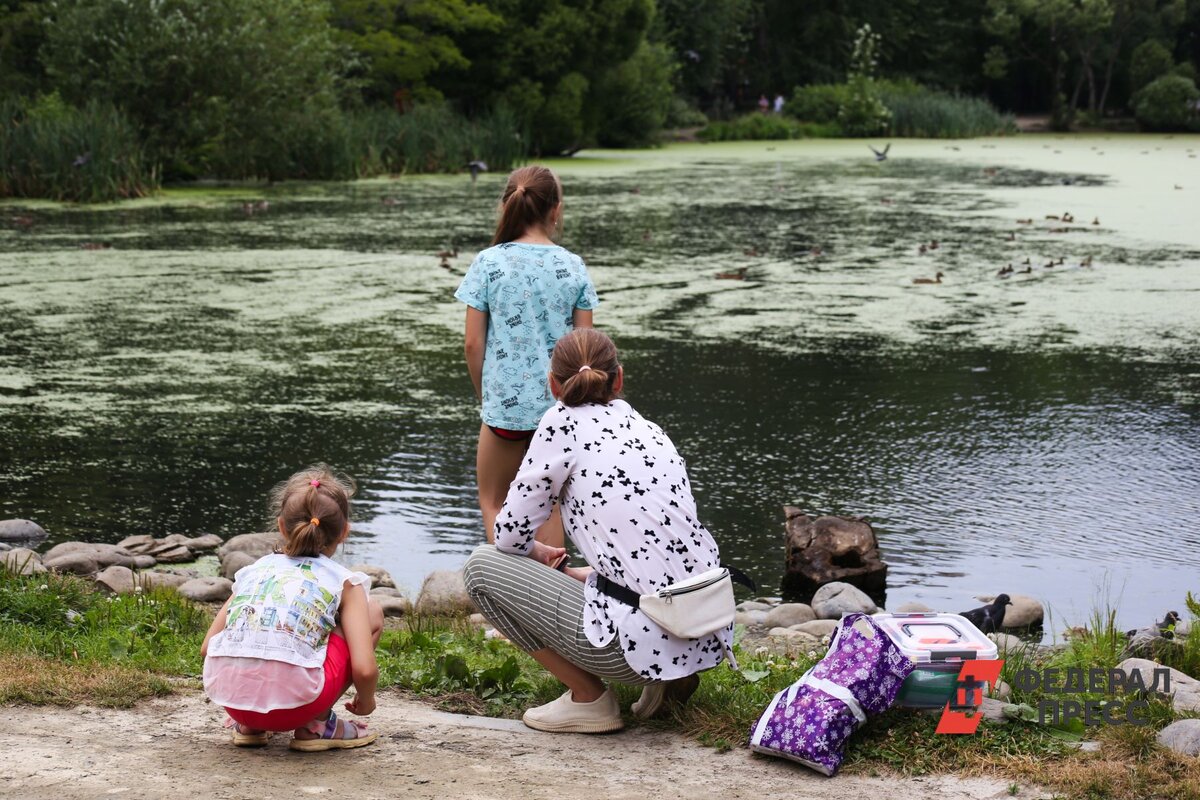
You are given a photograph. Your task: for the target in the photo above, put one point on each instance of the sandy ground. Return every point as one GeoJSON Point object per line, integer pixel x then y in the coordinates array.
{"type": "Point", "coordinates": [176, 747]}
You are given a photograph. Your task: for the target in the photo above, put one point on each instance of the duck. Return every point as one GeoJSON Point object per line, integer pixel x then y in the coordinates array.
{"type": "Point", "coordinates": [1025, 263]}
{"type": "Point", "coordinates": [636, 190]}
{"type": "Point", "coordinates": [1066, 217]}
{"type": "Point", "coordinates": [989, 618]}
{"type": "Point", "coordinates": [738, 274]}
{"type": "Point", "coordinates": [262, 205]}
{"type": "Point", "coordinates": [645, 236]}
{"type": "Point", "coordinates": [389, 201]}
{"type": "Point", "coordinates": [1049, 264]}
{"type": "Point", "coordinates": [1087, 262]}
{"type": "Point", "coordinates": [938, 279]}
{"type": "Point", "coordinates": [1012, 237]}
{"type": "Point", "coordinates": [923, 249]}
{"type": "Point", "coordinates": [1026, 271]}
{"type": "Point", "coordinates": [1005, 271]}
{"type": "Point", "coordinates": [1061, 261]}
{"type": "Point", "coordinates": [446, 255]}
{"type": "Point", "coordinates": [1025, 221]}
{"type": "Point", "coordinates": [23, 221]}
{"type": "Point", "coordinates": [1054, 217]}
{"type": "Point", "coordinates": [815, 252]}
{"type": "Point", "coordinates": [753, 251]}
{"type": "Point", "coordinates": [1096, 221]}
{"type": "Point", "coordinates": [96, 246]}
{"type": "Point", "coordinates": [933, 245]}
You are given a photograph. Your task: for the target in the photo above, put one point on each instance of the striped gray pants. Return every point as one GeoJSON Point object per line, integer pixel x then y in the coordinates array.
{"type": "Point", "coordinates": [537, 607]}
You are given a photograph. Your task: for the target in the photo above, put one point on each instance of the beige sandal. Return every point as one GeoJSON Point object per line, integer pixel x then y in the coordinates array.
{"type": "Point", "coordinates": [353, 735]}
{"type": "Point", "coordinates": [246, 739]}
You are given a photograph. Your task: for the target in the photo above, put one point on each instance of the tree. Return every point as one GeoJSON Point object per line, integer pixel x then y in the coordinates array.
{"type": "Point", "coordinates": [21, 35]}
{"type": "Point", "coordinates": [401, 43]}
{"type": "Point", "coordinates": [1167, 103]}
{"type": "Point", "coordinates": [214, 85]}
{"type": "Point", "coordinates": [1150, 60]}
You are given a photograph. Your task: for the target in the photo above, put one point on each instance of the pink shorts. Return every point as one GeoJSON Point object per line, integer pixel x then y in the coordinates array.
{"type": "Point", "coordinates": [337, 680]}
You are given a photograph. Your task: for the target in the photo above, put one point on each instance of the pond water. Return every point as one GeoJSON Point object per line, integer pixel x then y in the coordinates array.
{"type": "Point", "coordinates": [1034, 434]}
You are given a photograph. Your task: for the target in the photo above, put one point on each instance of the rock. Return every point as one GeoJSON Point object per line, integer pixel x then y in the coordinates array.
{"type": "Point", "coordinates": [21, 530]}
{"type": "Point", "coordinates": [788, 615]}
{"type": "Point", "coordinates": [117, 580]}
{"type": "Point", "coordinates": [386, 591]}
{"type": "Point", "coordinates": [255, 545]}
{"type": "Point", "coordinates": [1183, 628]}
{"type": "Point", "coordinates": [753, 605]}
{"type": "Point", "coordinates": [378, 575]}
{"type": "Point", "coordinates": [477, 619]}
{"type": "Point", "coordinates": [144, 562]}
{"type": "Point", "coordinates": [913, 608]}
{"type": "Point", "coordinates": [793, 637]}
{"type": "Point", "coordinates": [207, 590]}
{"type": "Point", "coordinates": [822, 550]}
{"type": "Point", "coordinates": [835, 599]}
{"type": "Point", "coordinates": [444, 594]}
{"type": "Point", "coordinates": [818, 627]}
{"type": "Point", "coordinates": [169, 553]}
{"type": "Point", "coordinates": [163, 580]}
{"type": "Point", "coordinates": [5, 546]}
{"type": "Point", "coordinates": [993, 709]}
{"type": "Point", "coordinates": [22, 561]}
{"type": "Point", "coordinates": [1001, 691]}
{"type": "Point", "coordinates": [205, 543]}
{"type": "Point", "coordinates": [138, 544]}
{"type": "Point", "coordinates": [751, 619]}
{"type": "Point", "coordinates": [234, 561]}
{"type": "Point", "coordinates": [1025, 611]}
{"type": "Point", "coordinates": [1185, 690]}
{"type": "Point", "coordinates": [1006, 642]}
{"type": "Point", "coordinates": [86, 558]}
{"type": "Point", "coordinates": [78, 562]}
{"type": "Point", "coordinates": [1182, 736]}
{"type": "Point", "coordinates": [393, 606]}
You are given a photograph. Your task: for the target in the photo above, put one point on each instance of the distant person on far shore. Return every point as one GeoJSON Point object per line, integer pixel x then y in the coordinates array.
{"type": "Point", "coordinates": [299, 629]}
{"type": "Point", "coordinates": [764, 105]}
{"type": "Point", "coordinates": [779, 104]}
{"type": "Point", "coordinates": [522, 294]}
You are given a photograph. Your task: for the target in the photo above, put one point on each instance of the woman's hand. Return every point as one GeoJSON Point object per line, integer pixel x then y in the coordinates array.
{"type": "Point", "coordinates": [361, 705]}
{"type": "Point", "coordinates": [579, 573]}
{"type": "Point", "coordinates": [545, 553]}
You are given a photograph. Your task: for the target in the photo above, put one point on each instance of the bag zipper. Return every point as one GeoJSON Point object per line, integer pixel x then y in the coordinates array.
{"type": "Point", "coordinates": [669, 592]}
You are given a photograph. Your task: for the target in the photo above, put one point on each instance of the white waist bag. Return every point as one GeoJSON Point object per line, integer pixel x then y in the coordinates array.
{"type": "Point", "coordinates": [688, 609]}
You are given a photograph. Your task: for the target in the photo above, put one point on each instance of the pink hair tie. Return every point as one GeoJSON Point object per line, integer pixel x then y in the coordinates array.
{"type": "Point", "coordinates": [314, 483]}
{"type": "Point", "coordinates": [585, 366]}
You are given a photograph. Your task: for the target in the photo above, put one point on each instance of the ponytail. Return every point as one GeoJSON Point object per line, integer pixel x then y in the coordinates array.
{"type": "Point", "coordinates": [530, 197]}
{"type": "Point", "coordinates": [313, 507]}
{"type": "Point", "coordinates": [585, 366]}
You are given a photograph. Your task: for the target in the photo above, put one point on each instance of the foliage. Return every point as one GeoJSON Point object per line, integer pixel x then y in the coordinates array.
{"type": "Point", "coordinates": [400, 44]}
{"type": "Point", "coordinates": [52, 150]}
{"type": "Point", "coordinates": [759, 126]}
{"type": "Point", "coordinates": [819, 102]}
{"type": "Point", "coordinates": [1167, 104]}
{"type": "Point", "coordinates": [681, 114]}
{"type": "Point", "coordinates": [636, 97]}
{"type": "Point", "coordinates": [22, 31]}
{"type": "Point", "coordinates": [862, 112]}
{"type": "Point", "coordinates": [213, 85]}
{"type": "Point", "coordinates": [930, 114]}
{"type": "Point", "coordinates": [1150, 60]}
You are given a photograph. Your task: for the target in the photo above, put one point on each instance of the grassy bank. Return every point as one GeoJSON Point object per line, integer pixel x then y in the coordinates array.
{"type": "Point", "coordinates": [63, 644]}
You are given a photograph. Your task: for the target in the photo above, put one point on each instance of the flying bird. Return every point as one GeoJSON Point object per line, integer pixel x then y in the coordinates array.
{"type": "Point", "coordinates": [989, 618]}
{"type": "Point", "coordinates": [476, 167]}
{"type": "Point", "coordinates": [881, 156]}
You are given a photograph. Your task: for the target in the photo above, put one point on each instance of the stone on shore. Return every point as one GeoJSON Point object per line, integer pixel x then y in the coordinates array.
{"type": "Point", "coordinates": [116, 579]}
{"type": "Point", "coordinates": [255, 545]}
{"type": "Point", "coordinates": [1006, 643]}
{"type": "Point", "coordinates": [5, 546]}
{"type": "Point", "coordinates": [818, 627]}
{"type": "Point", "coordinates": [163, 580]}
{"type": "Point", "coordinates": [797, 638]}
{"type": "Point", "coordinates": [836, 599]}
{"type": "Point", "coordinates": [1184, 690]}
{"type": "Point", "coordinates": [207, 590]}
{"type": "Point", "coordinates": [22, 561]}
{"type": "Point", "coordinates": [753, 605]}
{"type": "Point", "coordinates": [751, 619]}
{"type": "Point", "coordinates": [386, 591]}
{"type": "Point", "coordinates": [393, 606]}
{"type": "Point", "coordinates": [378, 575]}
{"type": "Point", "coordinates": [787, 615]}
{"type": "Point", "coordinates": [1025, 611]}
{"type": "Point", "coordinates": [913, 608]}
{"type": "Point", "coordinates": [88, 558]}
{"type": "Point", "coordinates": [21, 530]}
{"type": "Point", "coordinates": [829, 549]}
{"type": "Point", "coordinates": [444, 594]}
{"type": "Point", "coordinates": [234, 561]}
{"type": "Point", "coordinates": [1182, 736]}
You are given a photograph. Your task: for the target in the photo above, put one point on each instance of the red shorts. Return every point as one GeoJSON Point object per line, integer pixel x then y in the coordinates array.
{"type": "Point", "coordinates": [337, 680]}
{"type": "Point", "coordinates": [510, 435]}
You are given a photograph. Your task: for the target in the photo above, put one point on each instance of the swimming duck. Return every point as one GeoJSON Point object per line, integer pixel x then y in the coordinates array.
{"type": "Point", "coordinates": [95, 246]}
{"type": "Point", "coordinates": [815, 252]}
{"type": "Point", "coordinates": [446, 255]}
{"type": "Point", "coordinates": [1025, 262]}
{"type": "Point", "coordinates": [1026, 271]}
{"type": "Point", "coordinates": [923, 249]}
{"type": "Point", "coordinates": [1012, 237]}
{"type": "Point", "coordinates": [933, 245]}
{"type": "Point", "coordinates": [1025, 222]}
{"type": "Point", "coordinates": [1087, 262]}
{"type": "Point", "coordinates": [1066, 217]}
{"type": "Point", "coordinates": [1005, 271]}
{"type": "Point", "coordinates": [1096, 221]}
{"type": "Point", "coordinates": [389, 201]}
{"type": "Point", "coordinates": [738, 274]}
{"type": "Point", "coordinates": [938, 279]}
{"type": "Point", "coordinates": [1054, 217]}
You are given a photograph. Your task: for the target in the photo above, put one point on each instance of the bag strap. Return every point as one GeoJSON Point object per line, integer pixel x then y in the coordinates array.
{"type": "Point", "coordinates": [631, 598]}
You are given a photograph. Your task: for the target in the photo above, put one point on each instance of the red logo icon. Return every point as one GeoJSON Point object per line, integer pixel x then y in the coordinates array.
{"type": "Point", "coordinates": [961, 712]}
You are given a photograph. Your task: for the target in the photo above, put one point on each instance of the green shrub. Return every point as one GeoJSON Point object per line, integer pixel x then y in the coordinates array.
{"type": "Point", "coordinates": [1150, 60]}
{"type": "Point", "coordinates": [1185, 69]}
{"type": "Point", "coordinates": [680, 114]}
{"type": "Point", "coordinates": [1167, 104]}
{"type": "Point", "coordinates": [758, 126]}
{"type": "Point", "coordinates": [635, 98]}
{"type": "Point", "coordinates": [818, 102]}
{"type": "Point", "coordinates": [863, 112]}
{"type": "Point", "coordinates": [51, 150]}
{"type": "Point", "coordinates": [930, 114]}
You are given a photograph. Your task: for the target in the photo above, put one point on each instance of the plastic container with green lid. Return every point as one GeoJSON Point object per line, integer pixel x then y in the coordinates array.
{"type": "Point", "coordinates": [938, 644]}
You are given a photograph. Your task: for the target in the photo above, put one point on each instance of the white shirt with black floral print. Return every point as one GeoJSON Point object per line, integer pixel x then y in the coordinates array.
{"type": "Point", "coordinates": [628, 507]}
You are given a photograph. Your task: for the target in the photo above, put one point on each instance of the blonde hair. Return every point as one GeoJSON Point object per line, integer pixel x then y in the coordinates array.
{"type": "Point", "coordinates": [530, 197]}
{"type": "Point", "coordinates": [314, 508]}
{"type": "Point", "coordinates": [584, 364]}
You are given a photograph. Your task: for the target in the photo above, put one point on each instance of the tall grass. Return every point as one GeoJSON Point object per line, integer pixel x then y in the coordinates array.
{"type": "Point", "coordinates": [53, 150]}
{"type": "Point", "coordinates": [937, 115]}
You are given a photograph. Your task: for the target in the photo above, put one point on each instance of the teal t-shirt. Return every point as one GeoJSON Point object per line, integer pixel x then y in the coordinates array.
{"type": "Point", "coordinates": [529, 292]}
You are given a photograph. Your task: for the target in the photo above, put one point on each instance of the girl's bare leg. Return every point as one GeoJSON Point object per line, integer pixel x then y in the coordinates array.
{"type": "Point", "coordinates": [376, 614]}
{"type": "Point", "coordinates": [496, 465]}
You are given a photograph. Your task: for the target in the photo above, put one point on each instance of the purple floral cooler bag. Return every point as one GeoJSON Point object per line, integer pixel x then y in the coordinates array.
{"type": "Point", "coordinates": [811, 720]}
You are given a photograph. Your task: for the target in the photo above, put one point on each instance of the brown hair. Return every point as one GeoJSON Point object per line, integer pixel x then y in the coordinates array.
{"type": "Point", "coordinates": [585, 365]}
{"type": "Point", "coordinates": [529, 198]}
{"type": "Point", "coordinates": [314, 507]}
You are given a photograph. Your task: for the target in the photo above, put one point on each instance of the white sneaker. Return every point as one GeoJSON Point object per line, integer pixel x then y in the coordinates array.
{"type": "Point", "coordinates": [564, 715]}
{"type": "Point", "coordinates": [656, 696]}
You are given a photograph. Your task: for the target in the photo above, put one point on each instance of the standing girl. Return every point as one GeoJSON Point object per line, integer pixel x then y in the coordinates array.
{"type": "Point", "coordinates": [523, 293]}
{"type": "Point", "coordinates": [299, 629]}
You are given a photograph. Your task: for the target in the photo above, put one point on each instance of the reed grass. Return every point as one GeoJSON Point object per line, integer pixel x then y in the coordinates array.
{"type": "Point", "coordinates": [925, 113]}
{"type": "Point", "coordinates": [52, 150]}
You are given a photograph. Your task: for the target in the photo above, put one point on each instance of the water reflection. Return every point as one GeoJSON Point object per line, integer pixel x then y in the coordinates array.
{"type": "Point", "coordinates": [1035, 435]}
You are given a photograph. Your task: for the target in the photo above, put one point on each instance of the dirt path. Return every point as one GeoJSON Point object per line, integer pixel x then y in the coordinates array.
{"type": "Point", "coordinates": [176, 748]}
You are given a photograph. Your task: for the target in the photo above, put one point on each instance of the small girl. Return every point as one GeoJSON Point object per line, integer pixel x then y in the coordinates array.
{"type": "Point", "coordinates": [522, 295]}
{"type": "Point", "coordinates": [297, 632]}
